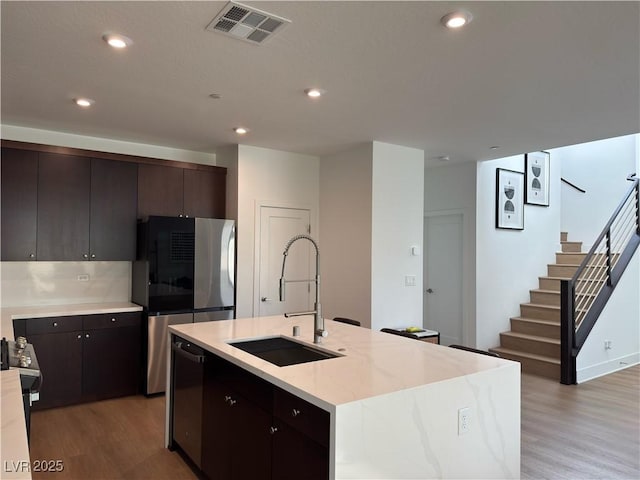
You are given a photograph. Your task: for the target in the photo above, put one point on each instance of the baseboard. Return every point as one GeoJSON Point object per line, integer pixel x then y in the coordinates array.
{"type": "Point", "coordinates": [610, 366]}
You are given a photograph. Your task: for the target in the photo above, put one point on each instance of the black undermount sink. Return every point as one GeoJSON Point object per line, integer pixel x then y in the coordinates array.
{"type": "Point", "coordinates": [282, 352]}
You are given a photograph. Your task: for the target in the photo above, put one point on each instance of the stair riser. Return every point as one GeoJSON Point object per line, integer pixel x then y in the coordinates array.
{"type": "Point", "coordinates": [530, 346]}
{"type": "Point", "coordinates": [538, 329]}
{"type": "Point", "coordinates": [528, 311]}
{"type": "Point", "coordinates": [570, 258]}
{"type": "Point", "coordinates": [536, 367]}
{"type": "Point", "coordinates": [549, 284]}
{"type": "Point", "coordinates": [572, 247]}
{"type": "Point", "coordinates": [565, 271]}
{"type": "Point", "coordinates": [545, 298]}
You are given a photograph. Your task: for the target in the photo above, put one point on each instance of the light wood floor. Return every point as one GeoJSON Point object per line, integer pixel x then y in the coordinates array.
{"type": "Point", "coordinates": [578, 432]}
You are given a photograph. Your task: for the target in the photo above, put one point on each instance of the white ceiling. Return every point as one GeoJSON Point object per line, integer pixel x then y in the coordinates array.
{"type": "Point", "coordinates": [522, 75]}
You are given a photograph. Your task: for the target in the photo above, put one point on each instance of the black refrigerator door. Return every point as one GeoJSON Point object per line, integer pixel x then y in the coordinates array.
{"type": "Point", "coordinates": [170, 253]}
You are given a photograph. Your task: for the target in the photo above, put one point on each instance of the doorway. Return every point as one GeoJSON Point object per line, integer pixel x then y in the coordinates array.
{"type": "Point", "coordinates": [277, 226]}
{"type": "Point", "coordinates": [442, 298]}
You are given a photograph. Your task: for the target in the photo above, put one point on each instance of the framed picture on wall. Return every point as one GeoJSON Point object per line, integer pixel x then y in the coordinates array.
{"type": "Point", "coordinates": [536, 168]}
{"type": "Point", "coordinates": [509, 199]}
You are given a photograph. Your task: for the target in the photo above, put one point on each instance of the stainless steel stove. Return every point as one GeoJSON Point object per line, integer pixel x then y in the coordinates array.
{"type": "Point", "coordinates": [21, 355]}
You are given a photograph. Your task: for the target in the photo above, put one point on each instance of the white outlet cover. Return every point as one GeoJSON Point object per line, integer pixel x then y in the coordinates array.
{"type": "Point", "coordinates": [464, 420]}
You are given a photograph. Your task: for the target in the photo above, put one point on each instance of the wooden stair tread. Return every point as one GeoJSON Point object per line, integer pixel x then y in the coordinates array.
{"type": "Point", "coordinates": [555, 278]}
{"type": "Point", "coordinates": [527, 336]}
{"type": "Point", "coordinates": [542, 290]}
{"type": "Point", "coordinates": [541, 305]}
{"type": "Point", "coordinates": [551, 323]}
{"type": "Point", "coordinates": [532, 356]}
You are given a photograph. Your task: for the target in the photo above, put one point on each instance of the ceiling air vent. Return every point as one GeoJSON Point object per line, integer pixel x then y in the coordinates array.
{"type": "Point", "coordinates": [247, 23]}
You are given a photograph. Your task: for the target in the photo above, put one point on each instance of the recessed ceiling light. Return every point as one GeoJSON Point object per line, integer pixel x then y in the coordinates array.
{"type": "Point", "coordinates": [495, 147]}
{"type": "Point", "coordinates": [314, 92]}
{"type": "Point", "coordinates": [443, 158]}
{"type": "Point", "coordinates": [241, 130]}
{"type": "Point", "coordinates": [456, 19]}
{"type": "Point", "coordinates": [116, 40]}
{"type": "Point", "coordinates": [84, 102]}
{"type": "Point", "coordinates": [215, 96]}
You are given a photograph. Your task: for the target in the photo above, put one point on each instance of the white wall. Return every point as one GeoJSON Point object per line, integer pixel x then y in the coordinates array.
{"type": "Point", "coordinates": [451, 189]}
{"type": "Point", "coordinates": [268, 177]}
{"type": "Point", "coordinates": [397, 225]}
{"type": "Point", "coordinates": [345, 239]}
{"type": "Point", "coordinates": [60, 139]}
{"type": "Point", "coordinates": [601, 169]}
{"type": "Point", "coordinates": [509, 262]}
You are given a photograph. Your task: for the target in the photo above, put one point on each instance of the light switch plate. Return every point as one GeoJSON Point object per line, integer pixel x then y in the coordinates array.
{"type": "Point", "coordinates": [410, 281]}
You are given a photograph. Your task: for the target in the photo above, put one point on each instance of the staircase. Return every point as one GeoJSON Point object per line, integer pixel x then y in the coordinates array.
{"type": "Point", "coordinates": [534, 339]}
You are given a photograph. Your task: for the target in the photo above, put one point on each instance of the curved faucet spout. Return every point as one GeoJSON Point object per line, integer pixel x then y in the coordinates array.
{"type": "Point", "coordinates": [319, 331]}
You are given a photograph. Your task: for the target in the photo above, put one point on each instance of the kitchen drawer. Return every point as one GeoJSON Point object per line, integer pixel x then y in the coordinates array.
{"type": "Point", "coordinates": [111, 320]}
{"type": "Point", "coordinates": [35, 326]}
{"type": "Point", "coordinates": [301, 415]}
{"type": "Point", "coordinates": [244, 383]}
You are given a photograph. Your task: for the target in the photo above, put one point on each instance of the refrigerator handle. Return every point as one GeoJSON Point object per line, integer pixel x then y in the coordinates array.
{"type": "Point", "coordinates": [231, 255]}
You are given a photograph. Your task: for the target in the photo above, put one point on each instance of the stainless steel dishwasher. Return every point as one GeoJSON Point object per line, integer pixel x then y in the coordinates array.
{"type": "Point", "coordinates": [187, 387]}
{"type": "Point", "coordinates": [157, 348]}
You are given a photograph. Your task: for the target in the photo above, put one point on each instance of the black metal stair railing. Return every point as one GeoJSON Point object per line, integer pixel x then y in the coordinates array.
{"type": "Point", "coordinates": [584, 296]}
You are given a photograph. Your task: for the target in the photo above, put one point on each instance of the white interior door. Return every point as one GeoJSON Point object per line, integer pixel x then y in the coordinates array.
{"type": "Point", "coordinates": [443, 277]}
{"type": "Point", "coordinates": [277, 227]}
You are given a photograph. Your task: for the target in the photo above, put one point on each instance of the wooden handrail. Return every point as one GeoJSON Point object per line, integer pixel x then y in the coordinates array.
{"type": "Point", "coordinates": [564, 180]}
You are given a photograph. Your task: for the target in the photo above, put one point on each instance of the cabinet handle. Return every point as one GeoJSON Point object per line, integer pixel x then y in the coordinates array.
{"type": "Point", "coordinates": [180, 215]}
{"type": "Point", "coordinates": [32, 255]}
{"type": "Point", "coordinates": [232, 402]}
{"type": "Point", "coordinates": [227, 398]}
{"type": "Point", "coordinates": [93, 255]}
{"type": "Point", "coordinates": [85, 256]}
{"type": "Point", "coordinates": [273, 430]}
{"type": "Point", "coordinates": [86, 336]}
{"type": "Point", "coordinates": [79, 336]}
{"type": "Point", "coordinates": [186, 216]}
{"type": "Point", "coordinates": [55, 324]}
{"type": "Point", "coordinates": [295, 412]}
{"type": "Point", "coordinates": [113, 319]}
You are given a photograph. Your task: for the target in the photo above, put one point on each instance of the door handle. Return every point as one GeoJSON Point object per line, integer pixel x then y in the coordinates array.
{"type": "Point", "coordinates": [429, 290]}
{"type": "Point", "coordinates": [265, 299]}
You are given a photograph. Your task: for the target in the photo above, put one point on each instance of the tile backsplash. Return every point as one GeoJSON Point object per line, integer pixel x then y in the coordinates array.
{"type": "Point", "coordinates": [58, 283]}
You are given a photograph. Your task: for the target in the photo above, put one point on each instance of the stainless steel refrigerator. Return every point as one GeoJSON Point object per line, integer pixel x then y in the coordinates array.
{"type": "Point", "coordinates": [184, 272]}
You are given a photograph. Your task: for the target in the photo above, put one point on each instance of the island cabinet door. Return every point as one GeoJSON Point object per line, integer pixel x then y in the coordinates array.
{"type": "Point", "coordinates": [301, 440]}
{"type": "Point", "coordinates": [236, 433]}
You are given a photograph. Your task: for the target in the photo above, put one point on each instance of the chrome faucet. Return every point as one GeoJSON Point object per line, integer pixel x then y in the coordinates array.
{"type": "Point", "coordinates": [318, 332]}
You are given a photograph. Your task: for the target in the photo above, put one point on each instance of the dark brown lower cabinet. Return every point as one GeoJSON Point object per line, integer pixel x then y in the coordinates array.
{"type": "Point", "coordinates": [244, 437]}
{"type": "Point", "coordinates": [85, 358]}
{"type": "Point", "coordinates": [296, 456]}
{"type": "Point", "coordinates": [60, 359]}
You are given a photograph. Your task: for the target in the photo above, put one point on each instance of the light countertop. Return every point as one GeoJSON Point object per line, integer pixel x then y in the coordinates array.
{"type": "Point", "coordinates": [373, 363]}
{"type": "Point", "coordinates": [8, 314]}
{"type": "Point", "coordinates": [14, 448]}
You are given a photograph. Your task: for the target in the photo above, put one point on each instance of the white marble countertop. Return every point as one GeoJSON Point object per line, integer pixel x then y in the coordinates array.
{"type": "Point", "coordinates": [14, 448]}
{"type": "Point", "coordinates": [8, 314]}
{"type": "Point", "coordinates": [373, 363]}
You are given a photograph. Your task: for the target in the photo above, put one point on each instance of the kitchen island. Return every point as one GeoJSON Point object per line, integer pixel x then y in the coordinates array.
{"type": "Point", "coordinates": [397, 408]}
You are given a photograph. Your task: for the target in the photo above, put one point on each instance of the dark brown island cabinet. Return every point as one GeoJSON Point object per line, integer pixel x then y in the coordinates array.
{"type": "Point", "coordinates": [85, 358]}
{"type": "Point", "coordinates": [181, 192]}
{"type": "Point", "coordinates": [250, 428]}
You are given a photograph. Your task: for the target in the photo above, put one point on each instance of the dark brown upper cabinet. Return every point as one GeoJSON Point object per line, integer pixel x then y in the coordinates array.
{"type": "Point", "coordinates": [205, 193]}
{"type": "Point", "coordinates": [176, 192]}
{"type": "Point", "coordinates": [112, 231]}
{"type": "Point", "coordinates": [64, 188]}
{"type": "Point", "coordinates": [19, 204]}
{"type": "Point", "coordinates": [160, 191]}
